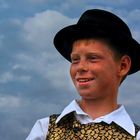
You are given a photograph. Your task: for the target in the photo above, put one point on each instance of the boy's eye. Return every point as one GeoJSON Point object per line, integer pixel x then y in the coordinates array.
{"type": "Point", "coordinates": [74, 60]}
{"type": "Point", "coordinates": [93, 57]}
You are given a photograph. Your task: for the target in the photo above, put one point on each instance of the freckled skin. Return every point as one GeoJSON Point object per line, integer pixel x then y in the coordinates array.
{"type": "Point", "coordinates": [93, 59]}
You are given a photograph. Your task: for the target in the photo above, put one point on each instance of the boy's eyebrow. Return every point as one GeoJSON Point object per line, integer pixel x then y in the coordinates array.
{"type": "Point", "coordinates": [88, 53]}
{"type": "Point", "coordinates": [74, 55]}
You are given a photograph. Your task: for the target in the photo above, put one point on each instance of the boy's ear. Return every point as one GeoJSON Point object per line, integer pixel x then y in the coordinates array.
{"type": "Point", "coordinates": [125, 65]}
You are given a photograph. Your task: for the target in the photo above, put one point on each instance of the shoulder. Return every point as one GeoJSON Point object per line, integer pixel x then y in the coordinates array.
{"type": "Point", "coordinates": [39, 130]}
{"type": "Point", "coordinates": [138, 135]}
{"type": "Point", "coordinates": [43, 122]}
{"type": "Point", "coordinates": [137, 130]}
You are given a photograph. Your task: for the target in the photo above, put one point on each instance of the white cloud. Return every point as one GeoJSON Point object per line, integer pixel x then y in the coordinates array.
{"type": "Point", "coordinates": [47, 65]}
{"type": "Point", "coordinates": [133, 18]}
{"type": "Point", "coordinates": [135, 15]}
{"type": "Point", "coordinates": [39, 30]}
{"type": "Point", "coordinates": [9, 77]}
{"type": "Point", "coordinates": [18, 67]}
{"type": "Point", "coordinates": [24, 78]}
{"type": "Point", "coordinates": [6, 77]}
{"type": "Point", "coordinates": [8, 101]}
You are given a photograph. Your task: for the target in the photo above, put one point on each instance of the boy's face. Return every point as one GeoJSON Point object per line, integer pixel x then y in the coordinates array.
{"type": "Point", "coordinates": [94, 71]}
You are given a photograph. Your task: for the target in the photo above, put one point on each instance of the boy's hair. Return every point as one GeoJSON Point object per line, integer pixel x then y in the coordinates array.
{"type": "Point", "coordinates": [118, 52]}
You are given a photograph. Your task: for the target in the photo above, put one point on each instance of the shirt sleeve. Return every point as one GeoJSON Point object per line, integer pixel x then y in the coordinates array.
{"type": "Point", "coordinates": [138, 136]}
{"type": "Point", "coordinates": [39, 130]}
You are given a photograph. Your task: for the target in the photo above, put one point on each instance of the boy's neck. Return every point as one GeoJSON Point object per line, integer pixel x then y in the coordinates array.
{"type": "Point", "coordinates": [96, 108]}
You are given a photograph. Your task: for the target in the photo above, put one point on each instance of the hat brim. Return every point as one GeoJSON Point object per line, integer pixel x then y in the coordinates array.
{"type": "Point", "coordinates": [64, 39]}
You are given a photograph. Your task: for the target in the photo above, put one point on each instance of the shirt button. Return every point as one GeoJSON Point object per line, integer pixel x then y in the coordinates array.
{"type": "Point", "coordinates": [76, 129]}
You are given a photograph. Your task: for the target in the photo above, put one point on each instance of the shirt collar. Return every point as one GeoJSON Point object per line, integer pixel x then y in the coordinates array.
{"type": "Point", "coordinates": [119, 116]}
{"type": "Point", "coordinates": [73, 106]}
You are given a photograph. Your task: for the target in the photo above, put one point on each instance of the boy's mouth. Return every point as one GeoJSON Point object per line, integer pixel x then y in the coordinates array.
{"type": "Point", "coordinates": [81, 80]}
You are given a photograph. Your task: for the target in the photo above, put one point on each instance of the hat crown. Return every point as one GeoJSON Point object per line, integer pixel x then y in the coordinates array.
{"type": "Point", "coordinates": [97, 17]}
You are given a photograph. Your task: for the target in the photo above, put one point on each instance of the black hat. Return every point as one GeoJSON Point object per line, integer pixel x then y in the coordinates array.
{"type": "Point", "coordinates": [98, 23]}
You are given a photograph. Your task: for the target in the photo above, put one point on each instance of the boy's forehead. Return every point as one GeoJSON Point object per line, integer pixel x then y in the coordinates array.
{"type": "Point", "coordinates": [90, 46]}
{"type": "Point", "coordinates": [88, 42]}
{"type": "Point", "coordinates": [84, 41]}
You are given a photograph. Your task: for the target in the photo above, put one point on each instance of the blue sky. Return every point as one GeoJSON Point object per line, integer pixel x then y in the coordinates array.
{"type": "Point", "coordinates": [34, 78]}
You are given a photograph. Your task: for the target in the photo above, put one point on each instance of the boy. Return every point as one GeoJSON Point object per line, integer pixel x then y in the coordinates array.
{"type": "Point", "coordinates": [102, 53]}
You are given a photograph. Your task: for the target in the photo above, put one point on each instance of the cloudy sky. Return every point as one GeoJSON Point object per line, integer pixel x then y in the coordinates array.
{"type": "Point", "coordinates": [34, 78]}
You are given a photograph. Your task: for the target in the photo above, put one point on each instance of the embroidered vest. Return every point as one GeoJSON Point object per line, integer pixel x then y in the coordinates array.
{"type": "Point", "coordinates": [68, 128]}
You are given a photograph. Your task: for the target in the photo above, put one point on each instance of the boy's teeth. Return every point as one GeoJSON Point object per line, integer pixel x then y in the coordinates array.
{"type": "Point", "coordinates": [84, 80]}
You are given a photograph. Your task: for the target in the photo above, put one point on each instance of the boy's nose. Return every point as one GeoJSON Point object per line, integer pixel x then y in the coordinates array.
{"type": "Point", "coordinates": [83, 66]}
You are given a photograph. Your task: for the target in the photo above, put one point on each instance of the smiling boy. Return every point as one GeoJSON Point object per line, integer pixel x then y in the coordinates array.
{"type": "Point", "coordinates": [102, 53]}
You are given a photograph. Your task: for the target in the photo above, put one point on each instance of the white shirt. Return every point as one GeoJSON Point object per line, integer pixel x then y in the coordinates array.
{"type": "Point", "coordinates": [119, 116]}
